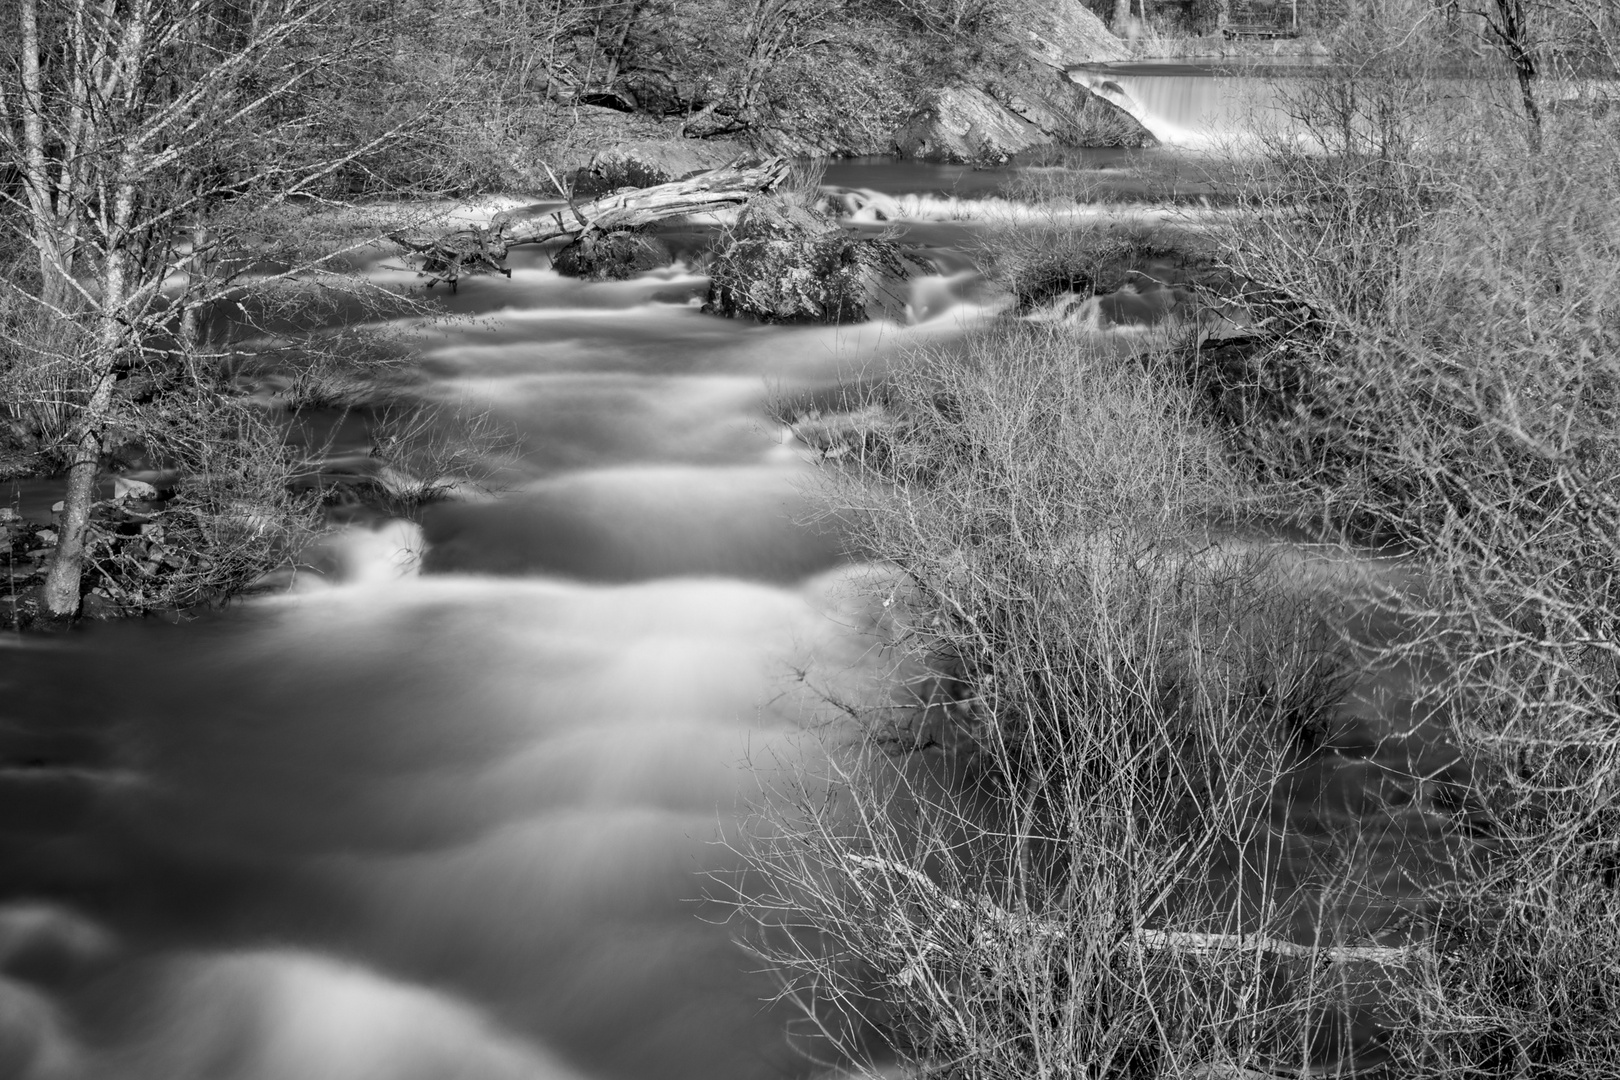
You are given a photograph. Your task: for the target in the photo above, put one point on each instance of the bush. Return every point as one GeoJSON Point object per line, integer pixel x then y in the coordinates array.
{"type": "Point", "coordinates": [784, 262]}
{"type": "Point", "coordinates": [1040, 259]}
{"type": "Point", "coordinates": [1439, 373]}
{"type": "Point", "coordinates": [1065, 858]}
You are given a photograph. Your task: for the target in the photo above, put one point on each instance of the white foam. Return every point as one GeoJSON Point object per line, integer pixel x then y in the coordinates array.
{"type": "Point", "coordinates": [288, 1015]}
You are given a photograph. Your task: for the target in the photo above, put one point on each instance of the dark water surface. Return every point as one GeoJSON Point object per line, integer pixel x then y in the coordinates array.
{"type": "Point", "coordinates": [446, 810]}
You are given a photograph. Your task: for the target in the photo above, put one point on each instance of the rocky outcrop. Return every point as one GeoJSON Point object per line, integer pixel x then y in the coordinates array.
{"type": "Point", "coordinates": [786, 263]}
{"type": "Point", "coordinates": [1030, 104]}
{"type": "Point", "coordinates": [1071, 114]}
{"type": "Point", "coordinates": [967, 126]}
{"type": "Point", "coordinates": [964, 125]}
{"type": "Point", "coordinates": [1068, 33]}
{"type": "Point", "coordinates": [646, 162]}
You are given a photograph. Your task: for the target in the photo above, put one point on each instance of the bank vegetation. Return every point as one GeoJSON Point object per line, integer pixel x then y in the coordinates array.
{"type": "Point", "coordinates": [1271, 724]}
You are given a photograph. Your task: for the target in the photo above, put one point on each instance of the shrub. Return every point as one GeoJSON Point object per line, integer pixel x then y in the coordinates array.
{"type": "Point", "coordinates": [1438, 371]}
{"type": "Point", "coordinates": [1064, 859]}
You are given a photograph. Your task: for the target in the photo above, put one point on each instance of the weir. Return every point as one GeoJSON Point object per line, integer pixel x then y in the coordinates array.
{"type": "Point", "coordinates": [1191, 106]}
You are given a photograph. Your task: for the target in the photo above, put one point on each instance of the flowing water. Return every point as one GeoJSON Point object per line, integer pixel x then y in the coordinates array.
{"type": "Point", "coordinates": [447, 809]}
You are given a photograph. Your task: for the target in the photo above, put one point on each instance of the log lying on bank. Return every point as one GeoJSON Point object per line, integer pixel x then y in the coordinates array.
{"type": "Point", "coordinates": [949, 947]}
{"type": "Point", "coordinates": [1179, 942]}
{"type": "Point", "coordinates": [449, 256]}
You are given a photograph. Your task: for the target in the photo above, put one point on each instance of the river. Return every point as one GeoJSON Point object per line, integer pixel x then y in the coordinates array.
{"type": "Point", "coordinates": [446, 808]}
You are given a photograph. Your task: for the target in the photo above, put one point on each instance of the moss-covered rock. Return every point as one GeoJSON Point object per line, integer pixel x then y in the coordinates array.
{"type": "Point", "coordinates": [786, 263]}
{"type": "Point", "coordinates": [614, 256]}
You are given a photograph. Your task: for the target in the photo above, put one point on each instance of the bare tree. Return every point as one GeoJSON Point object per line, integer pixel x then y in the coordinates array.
{"type": "Point", "coordinates": [146, 136]}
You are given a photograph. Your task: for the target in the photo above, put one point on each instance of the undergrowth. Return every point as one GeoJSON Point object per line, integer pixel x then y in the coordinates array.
{"type": "Point", "coordinates": [1080, 853]}
{"type": "Point", "coordinates": [1073, 858]}
{"type": "Point", "coordinates": [1437, 370]}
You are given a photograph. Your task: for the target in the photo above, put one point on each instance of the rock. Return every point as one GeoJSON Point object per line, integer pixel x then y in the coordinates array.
{"type": "Point", "coordinates": [776, 217]}
{"type": "Point", "coordinates": [7, 514]}
{"type": "Point", "coordinates": [967, 126]}
{"type": "Point", "coordinates": [645, 162]}
{"type": "Point", "coordinates": [1067, 34]}
{"type": "Point", "coordinates": [57, 507]}
{"type": "Point", "coordinates": [125, 488]}
{"type": "Point", "coordinates": [787, 264]}
{"type": "Point", "coordinates": [1071, 114]}
{"type": "Point", "coordinates": [1028, 104]}
{"type": "Point", "coordinates": [46, 537]}
{"type": "Point", "coordinates": [600, 256]}
{"type": "Point", "coordinates": [98, 605]}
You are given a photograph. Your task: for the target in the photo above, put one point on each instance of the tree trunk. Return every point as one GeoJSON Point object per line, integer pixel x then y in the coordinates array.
{"type": "Point", "coordinates": [1512, 30]}
{"type": "Point", "coordinates": [61, 591]}
{"type": "Point", "coordinates": [471, 251]}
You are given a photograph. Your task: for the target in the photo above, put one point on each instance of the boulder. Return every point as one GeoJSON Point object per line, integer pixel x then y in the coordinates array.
{"type": "Point", "coordinates": [646, 162]}
{"type": "Point", "coordinates": [126, 488]}
{"type": "Point", "coordinates": [612, 256]}
{"type": "Point", "coordinates": [785, 263]}
{"type": "Point", "coordinates": [963, 125]}
{"type": "Point", "coordinates": [780, 217]}
{"type": "Point", "coordinates": [1068, 33]}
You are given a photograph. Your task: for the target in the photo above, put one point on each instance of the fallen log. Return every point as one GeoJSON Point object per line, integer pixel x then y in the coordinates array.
{"type": "Point", "coordinates": [478, 250]}
{"type": "Point", "coordinates": [1145, 939]}
{"type": "Point", "coordinates": [998, 932]}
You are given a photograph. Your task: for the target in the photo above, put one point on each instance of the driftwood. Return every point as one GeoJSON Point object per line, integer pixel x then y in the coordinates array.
{"type": "Point", "coordinates": [478, 250]}
{"type": "Point", "coordinates": [1180, 942]}
{"type": "Point", "coordinates": [995, 928]}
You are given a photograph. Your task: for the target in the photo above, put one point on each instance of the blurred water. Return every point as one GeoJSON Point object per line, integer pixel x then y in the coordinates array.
{"type": "Point", "coordinates": [446, 808]}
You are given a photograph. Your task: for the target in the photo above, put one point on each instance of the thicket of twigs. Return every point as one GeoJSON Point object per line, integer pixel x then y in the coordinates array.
{"type": "Point", "coordinates": [1078, 863]}
{"type": "Point", "coordinates": [1441, 372]}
